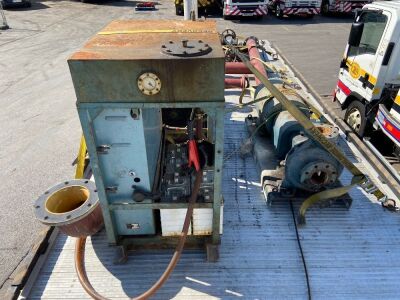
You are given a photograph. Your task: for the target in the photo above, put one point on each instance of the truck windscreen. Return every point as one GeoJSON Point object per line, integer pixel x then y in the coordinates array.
{"type": "Point", "coordinates": [374, 26]}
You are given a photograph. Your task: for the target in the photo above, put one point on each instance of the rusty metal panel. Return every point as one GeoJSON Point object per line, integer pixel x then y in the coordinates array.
{"type": "Point", "coordinates": [106, 69]}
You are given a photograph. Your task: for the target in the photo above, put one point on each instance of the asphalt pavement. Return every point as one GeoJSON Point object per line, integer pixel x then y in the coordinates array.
{"type": "Point", "coordinates": [40, 130]}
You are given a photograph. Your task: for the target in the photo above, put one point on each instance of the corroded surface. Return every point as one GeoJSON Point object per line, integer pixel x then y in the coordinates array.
{"type": "Point", "coordinates": [138, 40]}
{"type": "Point", "coordinates": [108, 66]}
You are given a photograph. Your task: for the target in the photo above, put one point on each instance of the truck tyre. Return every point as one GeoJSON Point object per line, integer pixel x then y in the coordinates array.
{"type": "Point", "coordinates": [179, 10]}
{"type": "Point", "coordinates": [356, 118]}
{"type": "Point", "coordinates": [325, 8]}
{"type": "Point", "coordinates": [278, 11]}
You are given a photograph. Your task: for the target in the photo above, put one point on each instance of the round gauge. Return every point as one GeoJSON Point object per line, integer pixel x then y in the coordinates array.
{"type": "Point", "coordinates": [149, 83]}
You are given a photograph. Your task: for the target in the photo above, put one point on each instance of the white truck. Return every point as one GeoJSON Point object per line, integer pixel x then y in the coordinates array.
{"type": "Point", "coordinates": [369, 76]}
{"type": "Point", "coordinates": [307, 8]}
{"type": "Point", "coordinates": [342, 6]}
{"type": "Point", "coordinates": [244, 8]}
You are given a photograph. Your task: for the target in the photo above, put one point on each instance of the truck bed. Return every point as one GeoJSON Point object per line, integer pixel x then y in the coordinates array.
{"type": "Point", "coordinates": [348, 253]}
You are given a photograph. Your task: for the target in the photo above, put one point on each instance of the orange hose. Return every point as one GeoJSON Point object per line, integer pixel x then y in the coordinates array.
{"type": "Point", "coordinates": [80, 253]}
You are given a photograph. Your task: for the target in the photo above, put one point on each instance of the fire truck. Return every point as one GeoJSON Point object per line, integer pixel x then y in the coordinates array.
{"type": "Point", "coordinates": [244, 8]}
{"type": "Point", "coordinates": [308, 8]}
{"type": "Point", "coordinates": [369, 76]}
{"type": "Point", "coordinates": [342, 6]}
{"type": "Point", "coordinates": [230, 8]}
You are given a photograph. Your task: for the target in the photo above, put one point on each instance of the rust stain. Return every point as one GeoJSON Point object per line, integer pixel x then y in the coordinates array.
{"type": "Point", "coordinates": [146, 45]}
{"type": "Point", "coordinates": [81, 55]}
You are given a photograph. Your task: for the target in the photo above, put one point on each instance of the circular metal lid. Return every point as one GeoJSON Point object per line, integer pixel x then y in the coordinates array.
{"type": "Point", "coordinates": [65, 218]}
{"type": "Point", "coordinates": [186, 48]}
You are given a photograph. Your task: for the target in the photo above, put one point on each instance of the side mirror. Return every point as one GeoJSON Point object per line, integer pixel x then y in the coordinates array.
{"type": "Point", "coordinates": [355, 34]}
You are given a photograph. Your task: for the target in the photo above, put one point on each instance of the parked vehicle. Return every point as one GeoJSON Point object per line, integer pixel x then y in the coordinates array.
{"type": "Point", "coordinates": [307, 8]}
{"type": "Point", "coordinates": [245, 8]}
{"type": "Point", "coordinates": [342, 6]}
{"type": "Point", "coordinates": [16, 3]}
{"type": "Point", "coordinates": [368, 88]}
{"type": "Point", "coordinates": [204, 6]}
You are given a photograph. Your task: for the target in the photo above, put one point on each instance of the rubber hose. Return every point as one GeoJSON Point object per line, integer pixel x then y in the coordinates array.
{"type": "Point", "coordinates": [80, 253]}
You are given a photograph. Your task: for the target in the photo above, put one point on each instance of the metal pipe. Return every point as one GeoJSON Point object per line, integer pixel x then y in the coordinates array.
{"type": "Point", "coordinates": [236, 83]}
{"type": "Point", "coordinates": [255, 58]}
{"type": "Point", "coordinates": [236, 68]}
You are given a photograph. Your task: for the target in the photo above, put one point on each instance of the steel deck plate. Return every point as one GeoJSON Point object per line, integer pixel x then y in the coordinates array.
{"type": "Point", "coordinates": [350, 254]}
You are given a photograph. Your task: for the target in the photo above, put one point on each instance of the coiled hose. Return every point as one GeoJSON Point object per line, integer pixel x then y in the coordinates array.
{"type": "Point", "coordinates": [80, 253]}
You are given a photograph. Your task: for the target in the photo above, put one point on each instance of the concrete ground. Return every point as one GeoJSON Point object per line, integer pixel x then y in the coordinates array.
{"type": "Point", "coordinates": [40, 129]}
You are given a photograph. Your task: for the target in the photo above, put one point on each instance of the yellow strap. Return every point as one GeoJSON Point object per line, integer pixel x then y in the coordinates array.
{"type": "Point", "coordinates": [291, 90]}
{"type": "Point", "coordinates": [242, 95]}
{"type": "Point", "coordinates": [325, 195]}
{"type": "Point", "coordinates": [301, 118]}
{"type": "Point", "coordinates": [358, 176]}
{"type": "Point", "coordinates": [242, 105]}
{"type": "Point", "coordinates": [284, 89]}
{"type": "Point", "coordinates": [155, 31]}
{"type": "Point", "coordinates": [80, 165]}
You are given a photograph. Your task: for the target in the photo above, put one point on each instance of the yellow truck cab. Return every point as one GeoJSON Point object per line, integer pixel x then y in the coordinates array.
{"type": "Point", "coordinates": [369, 76]}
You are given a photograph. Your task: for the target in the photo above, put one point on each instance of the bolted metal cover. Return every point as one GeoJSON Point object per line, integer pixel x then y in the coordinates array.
{"type": "Point", "coordinates": [186, 48]}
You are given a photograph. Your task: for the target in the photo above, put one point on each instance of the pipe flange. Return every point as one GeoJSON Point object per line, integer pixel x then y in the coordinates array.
{"type": "Point", "coordinates": [67, 202]}
{"type": "Point", "coordinates": [316, 175]}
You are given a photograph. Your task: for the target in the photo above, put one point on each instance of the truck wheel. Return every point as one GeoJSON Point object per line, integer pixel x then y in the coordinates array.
{"type": "Point", "coordinates": [179, 10]}
{"type": "Point", "coordinates": [278, 11]}
{"type": "Point", "coordinates": [226, 17]}
{"type": "Point", "coordinates": [325, 8]}
{"type": "Point", "coordinates": [356, 118]}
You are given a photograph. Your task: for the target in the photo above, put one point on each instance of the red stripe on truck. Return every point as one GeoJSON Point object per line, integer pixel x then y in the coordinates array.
{"type": "Point", "coordinates": [344, 88]}
{"type": "Point", "coordinates": [392, 129]}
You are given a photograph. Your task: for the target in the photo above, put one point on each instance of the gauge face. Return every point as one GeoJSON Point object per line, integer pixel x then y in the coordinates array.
{"type": "Point", "coordinates": [149, 83]}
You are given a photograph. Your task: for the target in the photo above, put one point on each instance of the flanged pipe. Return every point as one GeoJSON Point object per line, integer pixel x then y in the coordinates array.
{"type": "Point", "coordinates": [73, 206]}
{"type": "Point", "coordinates": [236, 68]}
{"type": "Point", "coordinates": [237, 82]}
